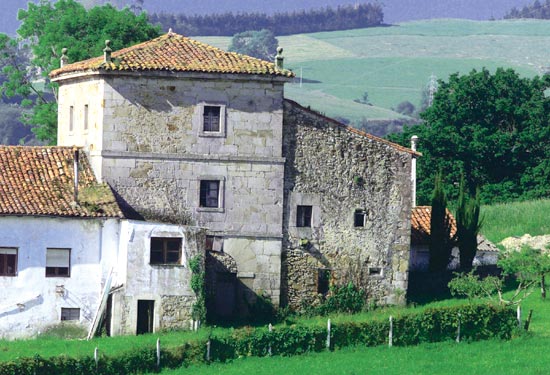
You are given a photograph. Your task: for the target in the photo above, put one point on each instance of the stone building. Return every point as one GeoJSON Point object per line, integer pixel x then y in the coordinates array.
{"type": "Point", "coordinates": [291, 200]}
{"type": "Point", "coordinates": [68, 254]}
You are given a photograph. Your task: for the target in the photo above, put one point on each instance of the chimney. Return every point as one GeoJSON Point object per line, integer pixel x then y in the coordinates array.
{"type": "Point", "coordinates": [279, 59]}
{"type": "Point", "coordinates": [75, 170]}
{"type": "Point", "coordinates": [64, 57]}
{"type": "Point", "coordinates": [414, 143]}
{"type": "Point", "coordinates": [107, 52]}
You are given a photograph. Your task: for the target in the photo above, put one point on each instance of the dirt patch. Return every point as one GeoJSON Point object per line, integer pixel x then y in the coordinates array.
{"type": "Point", "coordinates": [536, 242]}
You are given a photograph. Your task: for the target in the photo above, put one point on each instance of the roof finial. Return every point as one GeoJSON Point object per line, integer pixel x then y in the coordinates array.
{"type": "Point", "coordinates": [170, 32]}
{"type": "Point", "coordinates": [107, 51]}
{"type": "Point", "coordinates": [279, 59]}
{"type": "Point", "coordinates": [64, 57]}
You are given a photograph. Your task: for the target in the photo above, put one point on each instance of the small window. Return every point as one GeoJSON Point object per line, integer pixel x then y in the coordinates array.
{"type": "Point", "coordinates": [359, 217]}
{"type": "Point", "coordinates": [375, 271]}
{"type": "Point", "coordinates": [303, 216]}
{"type": "Point", "coordinates": [8, 261]}
{"type": "Point", "coordinates": [69, 313]}
{"type": "Point", "coordinates": [165, 250]}
{"type": "Point", "coordinates": [58, 262]}
{"type": "Point", "coordinates": [323, 281]}
{"type": "Point", "coordinates": [211, 119]}
{"type": "Point", "coordinates": [86, 115]}
{"type": "Point", "coordinates": [214, 243]}
{"type": "Point", "coordinates": [71, 118]}
{"type": "Point", "coordinates": [210, 193]}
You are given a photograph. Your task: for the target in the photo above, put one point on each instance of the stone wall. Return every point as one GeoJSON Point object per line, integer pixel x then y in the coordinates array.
{"type": "Point", "coordinates": [338, 170]}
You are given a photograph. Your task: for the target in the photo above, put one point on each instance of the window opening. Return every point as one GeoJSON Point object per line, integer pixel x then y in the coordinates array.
{"type": "Point", "coordinates": [8, 261]}
{"type": "Point", "coordinates": [211, 118]}
{"type": "Point", "coordinates": [359, 218]}
{"type": "Point", "coordinates": [70, 313]}
{"type": "Point", "coordinates": [58, 262]}
{"type": "Point", "coordinates": [165, 250]}
{"type": "Point", "coordinates": [210, 193]}
{"type": "Point", "coordinates": [303, 216]}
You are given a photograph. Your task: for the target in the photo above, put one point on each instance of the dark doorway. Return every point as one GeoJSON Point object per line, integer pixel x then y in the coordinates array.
{"type": "Point", "coordinates": [145, 316]}
{"type": "Point", "coordinates": [226, 294]}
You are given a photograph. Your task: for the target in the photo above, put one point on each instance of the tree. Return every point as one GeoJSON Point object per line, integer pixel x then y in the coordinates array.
{"type": "Point", "coordinates": [468, 225]}
{"type": "Point", "coordinates": [480, 121]}
{"type": "Point", "coordinates": [260, 44]}
{"type": "Point", "coordinates": [441, 240]}
{"type": "Point", "coordinates": [529, 266]}
{"type": "Point", "coordinates": [46, 28]}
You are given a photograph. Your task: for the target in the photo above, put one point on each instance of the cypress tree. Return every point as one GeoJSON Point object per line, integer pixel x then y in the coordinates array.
{"type": "Point", "coordinates": [441, 242]}
{"type": "Point", "coordinates": [468, 225]}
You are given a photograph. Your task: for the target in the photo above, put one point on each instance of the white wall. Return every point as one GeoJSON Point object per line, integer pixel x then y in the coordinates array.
{"type": "Point", "coordinates": [93, 244]}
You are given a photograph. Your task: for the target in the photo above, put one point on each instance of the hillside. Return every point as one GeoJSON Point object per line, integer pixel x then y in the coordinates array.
{"type": "Point", "coordinates": [394, 64]}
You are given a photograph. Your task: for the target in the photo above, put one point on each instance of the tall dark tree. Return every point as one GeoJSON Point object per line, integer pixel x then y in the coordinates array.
{"type": "Point", "coordinates": [441, 238]}
{"type": "Point", "coordinates": [48, 27]}
{"type": "Point", "coordinates": [468, 224]}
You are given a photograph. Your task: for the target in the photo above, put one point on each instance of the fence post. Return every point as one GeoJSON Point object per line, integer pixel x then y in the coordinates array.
{"type": "Point", "coordinates": [158, 353]}
{"type": "Point", "coordinates": [208, 351]}
{"type": "Point", "coordinates": [458, 329]}
{"type": "Point", "coordinates": [518, 315]}
{"type": "Point", "coordinates": [328, 334]}
{"type": "Point", "coordinates": [270, 339]}
{"type": "Point", "coordinates": [390, 336]}
{"type": "Point", "coordinates": [96, 357]}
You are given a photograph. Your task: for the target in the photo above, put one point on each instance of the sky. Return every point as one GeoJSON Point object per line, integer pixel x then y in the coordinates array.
{"type": "Point", "coordinates": [394, 10]}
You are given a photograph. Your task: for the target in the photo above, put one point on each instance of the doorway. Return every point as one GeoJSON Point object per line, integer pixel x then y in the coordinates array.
{"type": "Point", "coordinates": [145, 316]}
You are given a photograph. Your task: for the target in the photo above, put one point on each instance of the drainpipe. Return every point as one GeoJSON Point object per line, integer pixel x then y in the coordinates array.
{"type": "Point", "coordinates": [75, 170]}
{"type": "Point", "coordinates": [414, 143]}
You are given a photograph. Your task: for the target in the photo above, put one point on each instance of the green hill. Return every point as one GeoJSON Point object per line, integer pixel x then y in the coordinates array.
{"type": "Point", "coordinates": [394, 64]}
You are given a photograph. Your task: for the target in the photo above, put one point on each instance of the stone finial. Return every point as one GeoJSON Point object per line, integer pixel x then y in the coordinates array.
{"type": "Point", "coordinates": [170, 32]}
{"type": "Point", "coordinates": [107, 51]}
{"type": "Point", "coordinates": [279, 59]}
{"type": "Point", "coordinates": [64, 57]}
{"type": "Point", "coordinates": [414, 142]}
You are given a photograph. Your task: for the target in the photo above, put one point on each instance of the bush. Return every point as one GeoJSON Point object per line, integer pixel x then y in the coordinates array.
{"type": "Point", "coordinates": [477, 322]}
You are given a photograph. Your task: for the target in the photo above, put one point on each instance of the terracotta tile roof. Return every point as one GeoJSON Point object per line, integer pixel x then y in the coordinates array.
{"type": "Point", "coordinates": [175, 53]}
{"type": "Point", "coordinates": [353, 130]}
{"type": "Point", "coordinates": [420, 224]}
{"type": "Point", "coordinates": [39, 181]}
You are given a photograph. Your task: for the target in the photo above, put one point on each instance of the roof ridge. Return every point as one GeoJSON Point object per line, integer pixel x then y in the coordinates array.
{"type": "Point", "coordinates": [356, 131]}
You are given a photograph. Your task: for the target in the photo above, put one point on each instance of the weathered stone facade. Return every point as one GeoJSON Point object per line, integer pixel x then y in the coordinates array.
{"type": "Point", "coordinates": [337, 171]}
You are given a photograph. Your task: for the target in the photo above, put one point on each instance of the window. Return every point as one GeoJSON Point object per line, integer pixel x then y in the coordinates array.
{"type": "Point", "coordinates": [69, 313]}
{"type": "Point", "coordinates": [210, 193]}
{"type": "Point", "coordinates": [303, 216]}
{"type": "Point", "coordinates": [214, 243]}
{"type": "Point", "coordinates": [71, 118]}
{"type": "Point", "coordinates": [86, 115]}
{"type": "Point", "coordinates": [375, 271]}
{"type": "Point", "coordinates": [58, 262]}
{"type": "Point", "coordinates": [211, 118]}
{"type": "Point", "coordinates": [165, 250]}
{"type": "Point", "coordinates": [359, 217]}
{"type": "Point", "coordinates": [8, 261]}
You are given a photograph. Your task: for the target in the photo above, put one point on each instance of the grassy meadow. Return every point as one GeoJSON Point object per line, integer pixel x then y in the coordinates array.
{"type": "Point", "coordinates": [394, 64]}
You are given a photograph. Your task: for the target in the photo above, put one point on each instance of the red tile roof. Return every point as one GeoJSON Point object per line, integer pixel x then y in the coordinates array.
{"type": "Point", "coordinates": [420, 224]}
{"type": "Point", "coordinates": [175, 53]}
{"type": "Point", "coordinates": [39, 181]}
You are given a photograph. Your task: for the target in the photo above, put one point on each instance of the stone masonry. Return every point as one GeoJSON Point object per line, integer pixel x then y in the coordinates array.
{"type": "Point", "coordinates": [337, 171]}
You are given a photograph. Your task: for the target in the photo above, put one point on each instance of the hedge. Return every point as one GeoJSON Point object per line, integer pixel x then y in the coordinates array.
{"type": "Point", "coordinates": [477, 322]}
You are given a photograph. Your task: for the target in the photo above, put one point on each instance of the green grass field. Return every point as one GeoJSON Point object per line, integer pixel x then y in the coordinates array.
{"type": "Point", "coordinates": [394, 64]}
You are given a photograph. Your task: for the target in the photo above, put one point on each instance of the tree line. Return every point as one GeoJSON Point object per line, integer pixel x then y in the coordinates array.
{"type": "Point", "coordinates": [305, 21]}
{"type": "Point", "coordinates": [536, 10]}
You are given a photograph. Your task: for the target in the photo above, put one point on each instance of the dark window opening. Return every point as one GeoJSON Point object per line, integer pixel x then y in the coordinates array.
{"type": "Point", "coordinates": [8, 261]}
{"type": "Point", "coordinates": [58, 262]}
{"type": "Point", "coordinates": [214, 243]}
{"type": "Point", "coordinates": [359, 218]}
{"type": "Point", "coordinates": [323, 281]}
{"type": "Point", "coordinates": [210, 193]}
{"type": "Point", "coordinates": [303, 216]}
{"type": "Point", "coordinates": [211, 118]}
{"type": "Point", "coordinates": [375, 271]}
{"type": "Point", "coordinates": [86, 116]}
{"type": "Point", "coordinates": [165, 250]}
{"type": "Point", "coordinates": [69, 313]}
